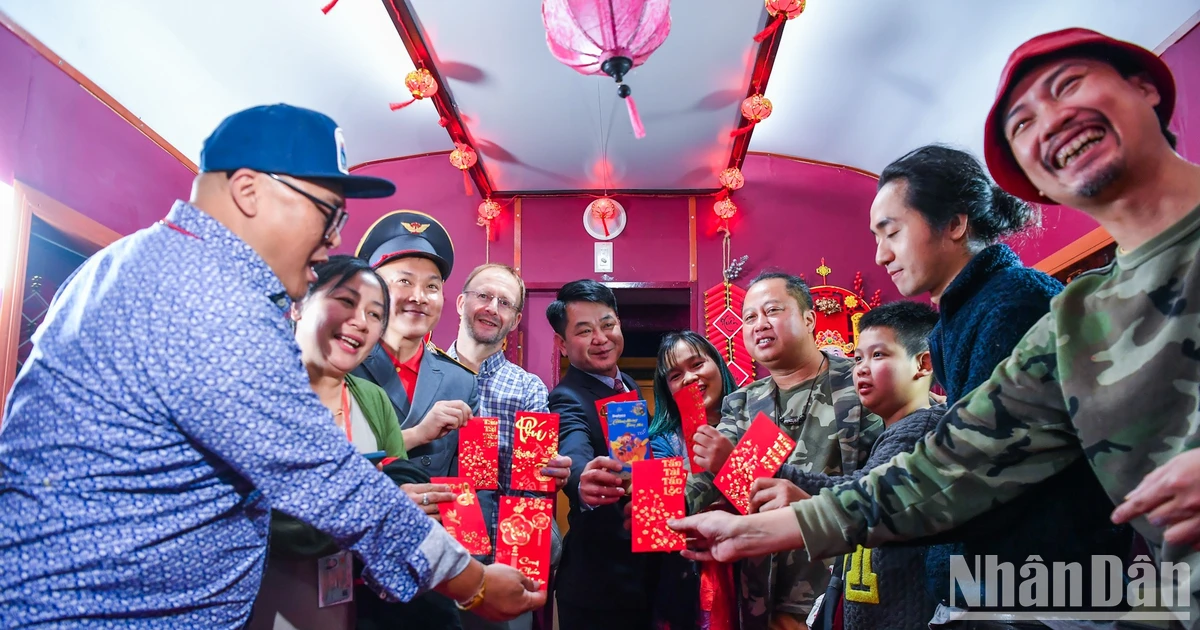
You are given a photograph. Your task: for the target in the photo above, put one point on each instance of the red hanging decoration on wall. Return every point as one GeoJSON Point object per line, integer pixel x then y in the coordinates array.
{"type": "Point", "coordinates": [463, 158]}
{"type": "Point", "coordinates": [730, 179]}
{"type": "Point", "coordinates": [755, 109]}
{"type": "Point", "coordinates": [603, 209]}
{"type": "Point", "coordinates": [420, 84]}
{"type": "Point", "coordinates": [608, 37]}
{"type": "Point", "coordinates": [838, 311]}
{"type": "Point", "coordinates": [779, 10]}
{"type": "Point", "coordinates": [488, 211]}
{"type": "Point", "coordinates": [723, 327]}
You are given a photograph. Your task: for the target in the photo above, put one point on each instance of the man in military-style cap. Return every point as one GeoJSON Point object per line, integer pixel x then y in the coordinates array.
{"type": "Point", "coordinates": [432, 393]}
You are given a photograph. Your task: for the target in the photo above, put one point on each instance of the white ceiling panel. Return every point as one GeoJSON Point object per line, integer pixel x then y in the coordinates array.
{"type": "Point", "coordinates": [539, 125]}
{"type": "Point", "coordinates": [861, 82]}
{"type": "Point", "coordinates": [183, 65]}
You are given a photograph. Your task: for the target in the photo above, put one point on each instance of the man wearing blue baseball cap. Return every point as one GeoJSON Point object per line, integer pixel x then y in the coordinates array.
{"type": "Point", "coordinates": [164, 410]}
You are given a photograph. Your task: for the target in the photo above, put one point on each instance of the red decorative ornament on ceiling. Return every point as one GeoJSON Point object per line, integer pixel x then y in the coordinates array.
{"type": "Point", "coordinates": [463, 157]}
{"type": "Point", "coordinates": [755, 109]}
{"type": "Point", "coordinates": [780, 11]}
{"type": "Point", "coordinates": [608, 37]}
{"type": "Point", "coordinates": [420, 84]}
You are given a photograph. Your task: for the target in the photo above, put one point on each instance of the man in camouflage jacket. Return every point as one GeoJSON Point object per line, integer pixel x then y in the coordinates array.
{"type": "Point", "coordinates": [819, 409]}
{"type": "Point", "coordinates": [1111, 374]}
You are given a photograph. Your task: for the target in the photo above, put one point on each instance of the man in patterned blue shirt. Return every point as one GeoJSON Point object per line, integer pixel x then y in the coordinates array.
{"type": "Point", "coordinates": [164, 410]}
{"type": "Point", "coordinates": [489, 308]}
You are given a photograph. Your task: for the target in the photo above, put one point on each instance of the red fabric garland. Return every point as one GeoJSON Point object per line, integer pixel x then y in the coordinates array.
{"type": "Point", "coordinates": [771, 28]}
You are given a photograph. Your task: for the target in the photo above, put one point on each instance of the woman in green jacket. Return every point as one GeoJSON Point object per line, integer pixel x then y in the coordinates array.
{"type": "Point", "coordinates": [337, 324]}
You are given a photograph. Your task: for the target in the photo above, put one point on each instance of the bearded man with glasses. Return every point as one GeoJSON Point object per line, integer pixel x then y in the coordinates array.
{"type": "Point", "coordinates": [489, 308]}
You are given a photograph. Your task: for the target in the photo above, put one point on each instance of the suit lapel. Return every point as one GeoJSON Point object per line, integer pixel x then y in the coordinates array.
{"type": "Point", "coordinates": [429, 380]}
{"type": "Point", "coordinates": [383, 373]}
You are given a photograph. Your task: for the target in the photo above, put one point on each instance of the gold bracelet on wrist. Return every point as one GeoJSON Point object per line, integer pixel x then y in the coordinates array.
{"type": "Point", "coordinates": [477, 599]}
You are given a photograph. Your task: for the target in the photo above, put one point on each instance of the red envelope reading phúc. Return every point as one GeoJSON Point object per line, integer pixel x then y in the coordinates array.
{"type": "Point", "coordinates": [602, 408]}
{"type": "Point", "coordinates": [692, 416]}
{"type": "Point", "coordinates": [535, 441]}
{"type": "Point", "coordinates": [761, 453]}
{"type": "Point", "coordinates": [479, 452]}
{"type": "Point", "coordinates": [658, 486]}
{"type": "Point", "coordinates": [524, 536]}
{"type": "Point", "coordinates": [463, 518]}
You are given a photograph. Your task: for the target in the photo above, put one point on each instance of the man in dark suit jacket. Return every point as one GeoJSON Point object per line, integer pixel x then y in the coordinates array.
{"type": "Point", "coordinates": [433, 394]}
{"type": "Point", "coordinates": [601, 583]}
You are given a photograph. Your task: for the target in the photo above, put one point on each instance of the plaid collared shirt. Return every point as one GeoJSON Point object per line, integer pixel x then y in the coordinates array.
{"type": "Point", "coordinates": [505, 389]}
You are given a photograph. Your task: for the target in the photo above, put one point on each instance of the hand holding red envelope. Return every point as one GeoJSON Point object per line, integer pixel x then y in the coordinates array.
{"type": "Point", "coordinates": [658, 486]}
{"type": "Point", "coordinates": [692, 416]}
{"type": "Point", "coordinates": [463, 518]}
{"type": "Point", "coordinates": [535, 441]}
{"type": "Point", "coordinates": [761, 452]}
{"type": "Point", "coordinates": [479, 452]}
{"type": "Point", "coordinates": [524, 536]}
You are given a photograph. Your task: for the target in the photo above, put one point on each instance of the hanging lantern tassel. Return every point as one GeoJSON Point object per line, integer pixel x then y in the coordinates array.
{"type": "Point", "coordinates": [635, 119]}
{"type": "Point", "coordinates": [420, 84]}
{"type": "Point", "coordinates": [617, 68]}
{"type": "Point", "coordinates": [755, 109]}
{"type": "Point", "coordinates": [780, 10]}
{"type": "Point", "coordinates": [329, 7]}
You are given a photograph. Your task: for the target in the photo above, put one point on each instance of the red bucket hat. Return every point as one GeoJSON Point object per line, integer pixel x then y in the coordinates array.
{"type": "Point", "coordinates": [1000, 161]}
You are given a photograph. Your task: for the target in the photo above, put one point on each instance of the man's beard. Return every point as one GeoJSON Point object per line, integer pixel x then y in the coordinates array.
{"type": "Point", "coordinates": [1101, 180]}
{"type": "Point", "coordinates": [491, 340]}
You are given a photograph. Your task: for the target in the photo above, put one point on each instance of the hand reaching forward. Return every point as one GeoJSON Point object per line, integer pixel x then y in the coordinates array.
{"type": "Point", "coordinates": [772, 494]}
{"type": "Point", "coordinates": [1169, 497]}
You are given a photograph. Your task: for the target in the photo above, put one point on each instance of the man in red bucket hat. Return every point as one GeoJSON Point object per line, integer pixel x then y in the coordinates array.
{"type": "Point", "coordinates": [1111, 374]}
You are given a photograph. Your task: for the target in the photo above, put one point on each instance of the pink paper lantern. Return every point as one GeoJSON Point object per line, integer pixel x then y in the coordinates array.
{"type": "Point", "coordinates": [608, 37]}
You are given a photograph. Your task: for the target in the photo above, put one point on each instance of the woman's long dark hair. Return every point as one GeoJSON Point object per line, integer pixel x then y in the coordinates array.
{"type": "Point", "coordinates": [666, 412]}
{"type": "Point", "coordinates": [941, 182]}
{"type": "Point", "coordinates": [338, 270]}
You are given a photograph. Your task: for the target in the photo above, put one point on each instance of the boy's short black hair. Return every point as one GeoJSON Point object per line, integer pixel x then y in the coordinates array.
{"type": "Point", "coordinates": [585, 290]}
{"type": "Point", "coordinates": [910, 322]}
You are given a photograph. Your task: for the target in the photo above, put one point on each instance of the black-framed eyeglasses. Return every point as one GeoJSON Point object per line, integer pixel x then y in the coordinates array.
{"type": "Point", "coordinates": [483, 299]}
{"type": "Point", "coordinates": [335, 216]}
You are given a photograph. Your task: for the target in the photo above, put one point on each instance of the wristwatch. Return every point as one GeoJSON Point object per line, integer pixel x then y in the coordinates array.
{"type": "Point", "coordinates": [477, 599]}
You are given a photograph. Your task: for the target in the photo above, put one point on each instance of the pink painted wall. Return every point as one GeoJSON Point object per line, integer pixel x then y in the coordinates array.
{"type": "Point", "coordinates": [1062, 225]}
{"type": "Point", "coordinates": [431, 185]}
{"type": "Point", "coordinates": [792, 214]}
{"type": "Point", "coordinates": [58, 138]}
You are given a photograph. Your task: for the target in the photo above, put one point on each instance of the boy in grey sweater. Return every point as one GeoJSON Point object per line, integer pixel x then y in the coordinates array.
{"type": "Point", "coordinates": [877, 588]}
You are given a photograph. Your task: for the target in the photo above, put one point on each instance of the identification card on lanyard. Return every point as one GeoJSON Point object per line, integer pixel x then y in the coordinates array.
{"type": "Point", "coordinates": [335, 579]}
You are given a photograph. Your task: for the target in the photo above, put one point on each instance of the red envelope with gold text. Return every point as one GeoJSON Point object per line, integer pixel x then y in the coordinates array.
{"type": "Point", "coordinates": [463, 518]}
{"type": "Point", "coordinates": [692, 416]}
{"type": "Point", "coordinates": [658, 486]}
{"type": "Point", "coordinates": [479, 452]}
{"type": "Point", "coordinates": [535, 441]}
{"type": "Point", "coordinates": [524, 536]}
{"type": "Point", "coordinates": [761, 452]}
{"type": "Point", "coordinates": [602, 408]}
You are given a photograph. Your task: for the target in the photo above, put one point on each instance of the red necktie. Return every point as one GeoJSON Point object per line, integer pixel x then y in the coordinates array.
{"type": "Point", "coordinates": [620, 384]}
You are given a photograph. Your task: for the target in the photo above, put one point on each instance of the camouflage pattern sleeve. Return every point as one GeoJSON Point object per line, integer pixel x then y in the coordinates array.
{"type": "Point", "coordinates": [700, 492]}
{"type": "Point", "coordinates": [1011, 432]}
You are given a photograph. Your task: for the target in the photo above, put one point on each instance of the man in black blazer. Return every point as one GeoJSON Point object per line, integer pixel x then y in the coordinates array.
{"type": "Point", "coordinates": [601, 583]}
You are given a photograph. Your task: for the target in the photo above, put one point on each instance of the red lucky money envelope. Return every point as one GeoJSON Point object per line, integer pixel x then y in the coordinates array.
{"type": "Point", "coordinates": [535, 441]}
{"type": "Point", "coordinates": [692, 416]}
{"type": "Point", "coordinates": [658, 486]}
{"type": "Point", "coordinates": [463, 518]}
{"type": "Point", "coordinates": [602, 408]}
{"type": "Point", "coordinates": [524, 534]}
{"type": "Point", "coordinates": [479, 452]}
{"type": "Point", "coordinates": [761, 453]}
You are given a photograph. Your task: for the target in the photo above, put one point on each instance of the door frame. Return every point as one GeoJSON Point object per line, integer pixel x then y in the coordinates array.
{"type": "Point", "coordinates": [86, 233]}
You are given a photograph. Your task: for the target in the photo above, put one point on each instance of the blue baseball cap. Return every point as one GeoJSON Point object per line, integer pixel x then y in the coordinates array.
{"type": "Point", "coordinates": [287, 140]}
